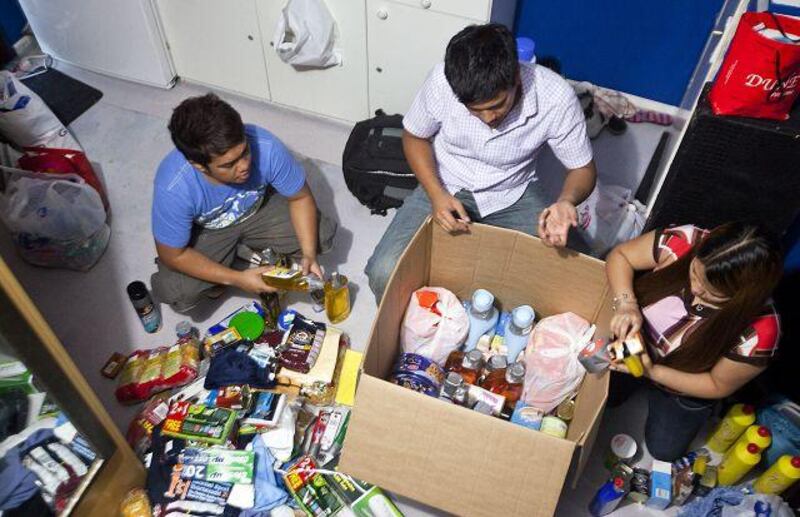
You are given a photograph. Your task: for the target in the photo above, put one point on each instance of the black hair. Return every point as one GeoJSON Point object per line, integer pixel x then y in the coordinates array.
{"type": "Point", "coordinates": [204, 127]}
{"type": "Point", "coordinates": [481, 62]}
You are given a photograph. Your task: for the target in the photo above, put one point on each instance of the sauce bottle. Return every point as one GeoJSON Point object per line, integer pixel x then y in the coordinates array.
{"type": "Point", "coordinates": [757, 434]}
{"type": "Point", "coordinates": [518, 332]}
{"type": "Point", "coordinates": [482, 317]}
{"type": "Point", "coordinates": [781, 475]}
{"type": "Point", "coordinates": [471, 366]}
{"type": "Point", "coordinates": [337, 298]}
{"type": "Point", "coordinates": [510, 385]}
{"type": "Point", "coordinates": [451, 383]}
{"type": "Point", "coordinates": [495, 367]}
{"type": "Point", "coordinates": [148, 312]}
{"type": "Point", "coordinates": [738, 418]}
{"type": "Point", "coordinates": [737, 462]}
{"type": "Point", "coordinates": [271, 302]}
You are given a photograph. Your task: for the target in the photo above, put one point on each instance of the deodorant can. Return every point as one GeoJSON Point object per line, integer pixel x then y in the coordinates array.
{"type": "Point", "coordinates": [148, 312]}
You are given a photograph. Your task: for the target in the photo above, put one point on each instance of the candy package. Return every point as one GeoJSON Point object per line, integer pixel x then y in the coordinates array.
{"type": "Point", "coordinates": [149, 371]}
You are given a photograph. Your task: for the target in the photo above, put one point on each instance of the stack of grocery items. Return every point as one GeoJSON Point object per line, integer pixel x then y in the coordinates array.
{"type": "Point", "coordinates": [502, 364]}
{"type": "Point", "coordinates": [733, 454]}
{"type": "Point", "coordinates": [248, 421]}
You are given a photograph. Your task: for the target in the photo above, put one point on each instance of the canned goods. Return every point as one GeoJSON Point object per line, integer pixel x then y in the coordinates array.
{"type": "Point", "coordinates": [566, 410]}
{"type": "Point", "coordinates": [554, 426]}
{"type": "Point", "coordinates": [640, 486]}
{"type": "Point", "coordinates": [419, 365]}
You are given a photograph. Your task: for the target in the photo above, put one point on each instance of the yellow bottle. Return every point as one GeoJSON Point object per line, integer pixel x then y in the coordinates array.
{"type": "Point", "coordinates": [289, 279]}
{"type": "Point", "coordinates": [757, 434]}
{"type": "Point", "coordinates": [781, 475]}
{"type": "Point", "coordinates": [337, 298]}
{"type": "Point", "coordinates": [739, 418]}
{"type": "Point", "coordinates": [737, 462]}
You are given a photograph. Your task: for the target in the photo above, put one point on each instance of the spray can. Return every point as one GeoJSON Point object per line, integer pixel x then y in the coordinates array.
{"type": "Point", "coordinates": [148, 312]}
{"type": "Point", "coordinates": [781, 475]}
{"type": "Point", "coordinates": [738, 418]}
{"type": "Point", "coordinates": [757, 434]}
{"type": "Point", "coordinates": [737, 462]}
{"type": "Point", "coordinates": [607, 497]}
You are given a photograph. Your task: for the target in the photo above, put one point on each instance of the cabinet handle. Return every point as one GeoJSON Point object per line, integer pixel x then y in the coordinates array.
{"type": "Point", "coordinates": [250, 37]}
{"type": "Point", "coordinates": [382, 14]}
{"type": "Point", "coordinates": [426, 4]}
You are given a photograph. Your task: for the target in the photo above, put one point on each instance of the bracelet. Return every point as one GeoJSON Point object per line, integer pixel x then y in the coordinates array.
{"type": "Point", "coordinates": [623, 298]}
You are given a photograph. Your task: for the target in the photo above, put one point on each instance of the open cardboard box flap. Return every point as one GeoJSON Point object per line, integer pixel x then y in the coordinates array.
{"type": "Point", "coordinates": [449, 457]}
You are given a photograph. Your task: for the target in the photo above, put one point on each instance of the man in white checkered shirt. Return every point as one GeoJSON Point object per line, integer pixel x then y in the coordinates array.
{"type": "Point", "coordinates": [472, 138]}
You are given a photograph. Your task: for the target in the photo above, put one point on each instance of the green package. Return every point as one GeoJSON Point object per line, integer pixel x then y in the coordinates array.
{"type": "Point", "coordinates": [372, 502]}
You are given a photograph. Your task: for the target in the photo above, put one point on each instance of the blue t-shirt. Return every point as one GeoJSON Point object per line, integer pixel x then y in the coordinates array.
{"type": "Point", "coordinates": [183, 196]}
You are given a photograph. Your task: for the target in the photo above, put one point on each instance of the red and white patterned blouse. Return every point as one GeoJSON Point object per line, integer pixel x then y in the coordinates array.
{"type": "Point", "coordinates": [669, 320]}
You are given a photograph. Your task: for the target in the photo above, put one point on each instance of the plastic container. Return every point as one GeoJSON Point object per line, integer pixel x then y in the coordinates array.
{"type": "Point", "coordinates": [337, 298]}
{"type": "Point", "coordinates": [249, 325]}
{"type": "Point", "coordinates": [780, 476]}
{"type": "Point", "coordinates": [622, 448]}
{"type": "Point", "coordinates": [148, 312]}
{"type": "Point", "coordinates": [738, 418]}
{"type": "Point", "coordinates": [737, 462]}
{"type": "Point", "coordinates": [518, 331]}
{"type": "Point", "coordinates": [526, 48]}
{"type": "Point", "coordinates": [607, 497]}
{"type": "Point", "coordinates": [482, 317]}
{"type": "Point", "coordinates": [757, 434]}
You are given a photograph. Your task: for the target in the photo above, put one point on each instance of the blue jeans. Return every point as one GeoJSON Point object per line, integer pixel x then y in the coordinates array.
{"type": "Point", "coordinates": [522, 215]}
{"type": "Point", "coordinates": [673, 420]}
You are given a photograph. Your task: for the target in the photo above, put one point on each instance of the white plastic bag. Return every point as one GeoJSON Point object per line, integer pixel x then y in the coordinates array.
{"type": "Point", "coordinates": [26, 120]}
{"type": "Point", "coordinates": [305, 35]}
{"type": "Point", "coordinates": [552, 369]}
{"type": "Point", "coordinates": [56, 221]}
{"type": "Point", "coordinates": [430, 334]}
{"type": "Point", "coordinates": [758, 505]}
{"type": "Point", "coordinates": [610, 215]}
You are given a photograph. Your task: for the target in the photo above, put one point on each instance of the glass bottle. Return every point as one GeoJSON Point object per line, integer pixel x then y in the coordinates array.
{"type": "Point", "coordinates": [509, 385]}
{"type": "Point", "coordinates": [494, 368]}
{"type": "Point", "coordinates": [451, 383]}
{"type": "Point", "coordinates": [270, 301]}
{"type": "Point", "coordinates": [337, 298]}
{"type": "Point", "coordinates": [467, 364]}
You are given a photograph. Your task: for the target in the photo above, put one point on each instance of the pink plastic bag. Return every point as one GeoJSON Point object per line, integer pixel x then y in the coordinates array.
{"type": "Point", "coordinates": [553, 371]}
{"type": "Point", "coordinates": [435, 324]}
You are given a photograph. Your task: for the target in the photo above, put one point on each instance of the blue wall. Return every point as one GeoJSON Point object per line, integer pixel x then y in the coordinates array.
{"type": "Point", "coordinates": [644, 47]}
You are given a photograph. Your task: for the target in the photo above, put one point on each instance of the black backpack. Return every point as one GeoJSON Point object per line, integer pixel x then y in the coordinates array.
{"type": "Point", "coordinates": [373, 160]}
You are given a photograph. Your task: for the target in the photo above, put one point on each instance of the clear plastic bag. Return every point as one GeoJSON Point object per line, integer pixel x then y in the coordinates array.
{"type": "Point", "coordinates": [552, 370]}
{"type": "Point", "coordinates": [56, 221]}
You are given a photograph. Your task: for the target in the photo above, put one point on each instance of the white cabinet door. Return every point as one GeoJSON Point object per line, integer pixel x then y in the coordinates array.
{"type": "Point", "coordinates": [338, 91]}
{"type": "Point", "coordinates": [216, 43]}
{"type": "Point", "coordinates": [404, 44]}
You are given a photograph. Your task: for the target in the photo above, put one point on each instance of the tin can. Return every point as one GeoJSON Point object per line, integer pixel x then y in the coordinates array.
{"type": "Point", "coordinates": [621, 449]}
{"type": "Point", "coordinates": [566, 410]}
{"type": "Point", "coordinates": [554, 426]}
{"type": "Point", "coordinates": [594, 356]}
{"type": "Point", "coordinates": [420, 365]}
{"type": "Point", "coordinates": [416, 382]}
{"type": "Point", "coordinates": [640, 486]}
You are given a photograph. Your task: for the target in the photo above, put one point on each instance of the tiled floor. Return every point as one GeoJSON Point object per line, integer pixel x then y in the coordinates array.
{"type": "Point", "coordinates": [125, 136]}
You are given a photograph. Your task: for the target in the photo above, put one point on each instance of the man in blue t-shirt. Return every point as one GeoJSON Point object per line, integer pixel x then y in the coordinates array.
{"type": "Point", "coordinates": [228, 186]}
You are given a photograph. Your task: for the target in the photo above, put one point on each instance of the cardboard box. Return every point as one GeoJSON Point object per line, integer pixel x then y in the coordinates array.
{"type": "Point", "coordinates": [450, 457]}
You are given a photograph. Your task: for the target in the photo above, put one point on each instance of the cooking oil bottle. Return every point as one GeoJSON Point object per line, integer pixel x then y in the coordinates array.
{"type": "Point", "coordinates": [337, 298]}
{"type": "Point", "coordinates": [291, 279]}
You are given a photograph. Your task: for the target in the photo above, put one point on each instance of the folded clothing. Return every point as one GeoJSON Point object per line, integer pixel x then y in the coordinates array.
{"type": "Point", "coordinates": [240, 365]}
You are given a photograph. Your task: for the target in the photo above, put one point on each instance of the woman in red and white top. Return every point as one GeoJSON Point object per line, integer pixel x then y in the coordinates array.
{"type": "Point", "coordinates": [705, 315]}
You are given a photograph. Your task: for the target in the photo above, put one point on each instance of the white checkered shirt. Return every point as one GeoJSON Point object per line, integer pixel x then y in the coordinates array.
{"type": "Point", "coordinates": [496, 165]}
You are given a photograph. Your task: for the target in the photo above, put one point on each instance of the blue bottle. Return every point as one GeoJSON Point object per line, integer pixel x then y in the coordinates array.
{"type": "Point", "coordinates": [526, 49]}
{"type": "Point", "coordinates": [518, 331]}
{"type": "Point", "coordinates": [482, 317]}
{"type": "Point", "coordinates": [607, 497]}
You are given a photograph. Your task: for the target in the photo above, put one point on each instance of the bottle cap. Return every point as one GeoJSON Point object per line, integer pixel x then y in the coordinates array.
{"type": "Point", "coordinates": [482, 300]}
{"type": "Point", "coordinates": [523, 316]}
{"type": "Point", "coordinates": [249, 325]}
{"type": "Point", "coordinates": [515, 373]}
{"type": "Point", "coordinates": [619, 482]}
{"type": "Point", "coordinates": [498, 362]}
{"type": "Point", "coordinates": [764, 431]}
{"type": "Point", "coordinates": [748, 409]}
{"type": "Point", "coordinates": [472, 360]}
{"type": "Point", "coordinates": [137, 290]}
{"type": "Point", "coordinates": [183, 327]}
{"type": "Point", "coordinates": [796, 462]}
{"type": "Point", "coordinates": [752, 448]}
{"type": "Point", "coordinates": [454, 379]}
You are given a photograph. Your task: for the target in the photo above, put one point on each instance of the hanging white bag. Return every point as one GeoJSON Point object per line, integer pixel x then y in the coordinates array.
{"type": "Point", "coordinates": [27, 121]}
{"type": "Point", "coordinates": [609, 216]}
{"type": "Point", "coordinates": [56, 220]}
{"type": "Point", "coordinates": [306, 34]}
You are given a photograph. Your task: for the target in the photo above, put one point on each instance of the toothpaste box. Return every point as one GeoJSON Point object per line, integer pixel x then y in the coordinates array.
{"type": "Point", "coordinates": [660, 485]}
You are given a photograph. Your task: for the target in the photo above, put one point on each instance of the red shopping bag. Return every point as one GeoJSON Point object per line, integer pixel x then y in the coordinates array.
{"type": "Point", "coordinates": [62, 161]}
{"type": "Point", "coordinates": [760, 76]}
